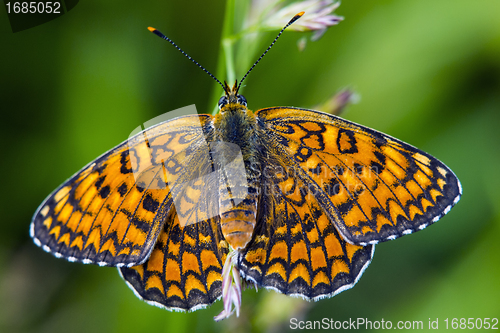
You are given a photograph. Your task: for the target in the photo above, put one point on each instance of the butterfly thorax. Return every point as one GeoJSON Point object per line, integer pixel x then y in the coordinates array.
{"type": "Point", "coordinates": [235, 132]}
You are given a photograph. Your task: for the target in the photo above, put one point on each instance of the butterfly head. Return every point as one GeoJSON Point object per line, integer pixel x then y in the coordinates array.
{"type": "Point", "coordinates": [231, 97]}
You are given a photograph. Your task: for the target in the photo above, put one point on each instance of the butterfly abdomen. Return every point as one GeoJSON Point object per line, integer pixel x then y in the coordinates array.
{"type": "Point", "coordinates": [239, 181]}
{"type": "Point", "coordinates": [237, 225]}
{"type": "Point", "coordinates": [238, 201]}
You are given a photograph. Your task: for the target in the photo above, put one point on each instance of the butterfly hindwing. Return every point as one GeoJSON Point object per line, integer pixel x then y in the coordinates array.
{"type": "Point", "coordinates": [374, 187]}
{"type": "Point", "coordinates": [296, 248]}
{"type": "Point", "coordinates": [184, 269]}
{"type": "Point", "coordinates": [112, 211]}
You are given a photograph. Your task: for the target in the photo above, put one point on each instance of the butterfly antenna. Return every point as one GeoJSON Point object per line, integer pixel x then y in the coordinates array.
{"type": "Point", "coordinates": [157, 33]}
{"type": "Point", "coordinates": [295, 18]}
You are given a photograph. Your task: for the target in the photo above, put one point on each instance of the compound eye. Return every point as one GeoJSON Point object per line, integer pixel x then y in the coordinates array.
{"type": "Point", "coordinates": [242, 100]}
{"type": "Point", "coordinates": [222, 101]}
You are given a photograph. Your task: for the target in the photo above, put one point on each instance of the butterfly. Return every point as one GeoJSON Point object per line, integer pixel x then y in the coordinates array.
{"type": "Point", "coordinates": [299, 196]}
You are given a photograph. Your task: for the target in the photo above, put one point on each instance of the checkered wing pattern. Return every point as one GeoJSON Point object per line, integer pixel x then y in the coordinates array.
{"type": "Point", "coordinates": [113, 210]}
{"type": "Point", "coordinates": [372, 186]}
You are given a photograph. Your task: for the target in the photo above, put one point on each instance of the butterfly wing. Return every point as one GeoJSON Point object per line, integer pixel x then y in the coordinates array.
{"type": "Point", "coordinates": [184, 271]}
{"type": "Point", "coordinates": [296, 248]}
{"type": "Point", "coordinates": [374, 187]}
{"type": "Point", "coordinates": [112, 211]}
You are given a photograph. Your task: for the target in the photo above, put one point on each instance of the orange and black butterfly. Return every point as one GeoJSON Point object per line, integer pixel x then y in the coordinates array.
{"type": "Point", "coordinates": [301, 196]}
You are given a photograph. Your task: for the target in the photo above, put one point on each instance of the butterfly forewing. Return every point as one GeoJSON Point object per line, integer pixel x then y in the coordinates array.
{"type": "Point", "coordinates": [373, 187]}
{"type": "Point", "coordinates": [112, 211]}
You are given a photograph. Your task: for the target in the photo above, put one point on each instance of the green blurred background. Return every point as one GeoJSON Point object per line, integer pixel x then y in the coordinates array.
{"type": "Point", "coordinates": [427, 72]}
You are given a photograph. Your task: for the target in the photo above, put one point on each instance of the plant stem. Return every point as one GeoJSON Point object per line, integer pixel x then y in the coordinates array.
{"type": "Point", "coordinates": [227, 45]}
{"type": "Point", "coordinates": [222, 62]}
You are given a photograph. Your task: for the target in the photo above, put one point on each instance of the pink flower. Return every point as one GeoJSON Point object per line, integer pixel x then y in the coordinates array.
{"type": "Point", "coordinates": [318, 16]}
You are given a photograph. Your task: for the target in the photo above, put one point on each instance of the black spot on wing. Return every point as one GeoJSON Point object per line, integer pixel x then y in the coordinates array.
{"type": "Point", "coordinates": [150, 204]}
{"type": "Point", "coordinates": [104, 192]}
{"type": "Point", "coordinates": [358, 168]}
{"type": "Point", "coordinates": [332, 187]}
{"type": "Point", "coordinates": [123, 160]}
{"type": "Point", "coordinates": [141, 186]}
{"type": "Point", "coordinates": [316, 170]}
{"type": "Point", "coordinates": [345, 207]}
{"type": "Point", "coordinates": [99, 181]}
{"type": "Point", "coordinates": [376, 167]}
{"type": "Point", "coordinates": [380, 157]}
{"type": "Point", "coordinates": [123, 189]}
{"type": "Point", "coordinates": [141, 224]}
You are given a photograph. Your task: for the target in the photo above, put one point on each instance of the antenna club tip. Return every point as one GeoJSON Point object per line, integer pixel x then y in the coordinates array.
{"type": "Point", "coordinates": [295, 18]}
{"type": "Point", "coordinates": [151, 29]}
